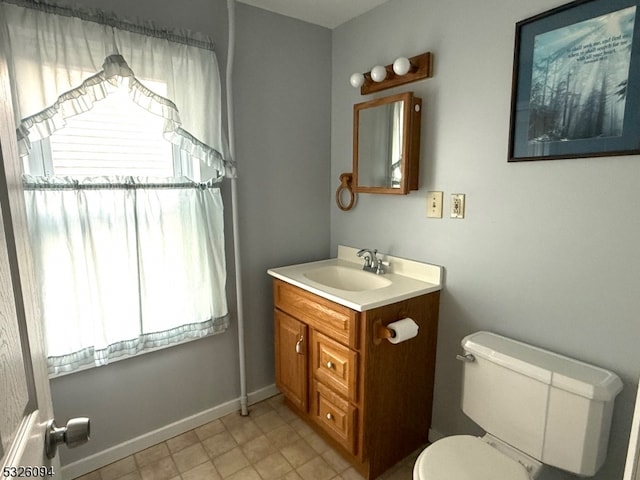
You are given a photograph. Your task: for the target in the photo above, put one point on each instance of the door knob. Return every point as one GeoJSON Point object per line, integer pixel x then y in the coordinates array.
{"type": "Point", "coordinates": [74, 433]}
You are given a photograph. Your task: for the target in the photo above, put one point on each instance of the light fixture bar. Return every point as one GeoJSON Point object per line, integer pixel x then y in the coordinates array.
{"type": "Point", "coordinates": [421, 68]}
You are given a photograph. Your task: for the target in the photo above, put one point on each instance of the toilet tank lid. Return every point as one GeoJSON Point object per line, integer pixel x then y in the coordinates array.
{"type": "Point", "coordinates": [557, 370]}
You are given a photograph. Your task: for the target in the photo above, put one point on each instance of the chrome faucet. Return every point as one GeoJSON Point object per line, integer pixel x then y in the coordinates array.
{"type": "Point", "coordinates": [371, 261]}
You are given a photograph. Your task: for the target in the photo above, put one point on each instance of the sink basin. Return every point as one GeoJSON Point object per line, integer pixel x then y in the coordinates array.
{"type": "Point", "coordinates": [346, 278]}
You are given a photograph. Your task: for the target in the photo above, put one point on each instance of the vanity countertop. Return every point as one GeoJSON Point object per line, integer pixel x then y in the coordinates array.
{"type": "Point", "coordinates": [404, 279]}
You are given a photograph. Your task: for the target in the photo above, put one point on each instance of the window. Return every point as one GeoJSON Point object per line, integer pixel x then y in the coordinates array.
{"type": "Point", "coordinates": [125, 248]}
{"type": "Point", "coordinates": [115, 137]}
{"type": "Point", "coordinates": [123, 157]}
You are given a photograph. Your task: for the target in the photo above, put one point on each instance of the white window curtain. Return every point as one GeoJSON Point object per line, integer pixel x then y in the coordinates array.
{"type": "Point", "coordinates": [62, 64]}
{"type": "Point", "coordinates": [126, 264]}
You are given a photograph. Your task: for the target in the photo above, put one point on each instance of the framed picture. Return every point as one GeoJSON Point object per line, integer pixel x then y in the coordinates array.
{"type": "Point", "coordinates": [576, 82]}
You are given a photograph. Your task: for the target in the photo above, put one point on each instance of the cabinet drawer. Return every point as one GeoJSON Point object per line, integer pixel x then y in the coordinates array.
{"type": "Point", "coordinates": [335, 415]}
{"type": "Point", "coordinates": [337, 321]}
{"type": "Point", "coordinates": [334, 365]}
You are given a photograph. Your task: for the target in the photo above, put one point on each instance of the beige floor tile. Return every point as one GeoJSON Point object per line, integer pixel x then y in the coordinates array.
{"type": "Point", "coordinates": [244, 431]}
{"type": "Point", "coordinates": [273, 467]}
{"type": "Point", "coordinates": [204, 471]}
{"type": "Point", "coordinates": [317, 443]}
{"type": "Point", "coordinates": [90, 476]}
{"type": "Point", "coordinates": [118, 469]}
{"type": "Point", "coordinates": [271, 444]}
{"type": "Point", "coordinates": [316, 469]}
{"type": "Point", "coordinates": [270, 421]}
{"type": "Point", "coordinates": [293, 475]}
{"type": "Point", "coordinates": [219, 444]}
{"type": "Point", "coordinates": [152, 454]}
{"type": "Point", "coordinates": [283, 436]}
{"type": "Point", "coordinates": [229, 463]}
{"type": "Point", "coordinates": [276, 401]}
{"type": "Point", "coordinates": [301, 427]}
{"type": "Point", "coordinates": [337, 462]}
{"type": "Point", "coordinates": [287, 414]}
{"type": "Point", "coordinates": [183, 441]}
{"type": "Point", "coordinates": [260, 409]}
{"type": "Point", "coordinates": [209, 429]}
{"type": "Point", "coordinates": [190, 457]}
{"type": "Point", "coordinates": [131, 476]}
{"type": "Point", "coordinates": [258, 448]}
{"type": "Point", "coordinates": [164, 469]}
{"type": "Point", "coordinates": [247, 473]}
{"type": "Point", "coordinates": [298, 453]}
{"type": "Point", "coordinates": [352, 474]}
{"type": "Point", "coordinates": [233, 419]}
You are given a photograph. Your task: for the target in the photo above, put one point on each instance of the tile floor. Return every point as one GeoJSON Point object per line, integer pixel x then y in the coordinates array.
{"type": "Point", "coordinates": [272, 443]}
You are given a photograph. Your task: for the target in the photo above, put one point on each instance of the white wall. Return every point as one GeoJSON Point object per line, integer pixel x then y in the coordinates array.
{"type": "Point", "coordinates": [548, 252]}
{"type": "Point", "coordinates": [282, 86]}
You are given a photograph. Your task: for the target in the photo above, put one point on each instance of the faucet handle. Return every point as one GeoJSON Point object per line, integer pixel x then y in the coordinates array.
{"type": "Point", "coordinates": [381, 267]}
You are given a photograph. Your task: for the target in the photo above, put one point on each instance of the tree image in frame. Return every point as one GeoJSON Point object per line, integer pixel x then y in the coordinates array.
{"type": "Point", "coordinates": [579, 79]}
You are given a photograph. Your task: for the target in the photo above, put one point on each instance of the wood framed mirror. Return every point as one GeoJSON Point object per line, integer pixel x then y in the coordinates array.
{"type": "Point", "coordinates": [386, 144]}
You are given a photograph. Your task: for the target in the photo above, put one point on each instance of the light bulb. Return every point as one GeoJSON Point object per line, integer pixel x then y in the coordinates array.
{"type": "Point", "coordinates": [356, 80]}
{"type": "Point", "coordinates": [401, 66]}
{"type": "Point", "coordinates": [378, 73]}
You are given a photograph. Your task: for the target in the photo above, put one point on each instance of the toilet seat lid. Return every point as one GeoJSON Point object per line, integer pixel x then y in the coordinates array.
{"type": "Point", "coordinates": [464, 457]}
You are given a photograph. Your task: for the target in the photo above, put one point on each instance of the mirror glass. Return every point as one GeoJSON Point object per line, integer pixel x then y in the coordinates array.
{"type": "Point", "coordinates": [385, 144]}
{"type": "Point", "coordinates": [380, 145]}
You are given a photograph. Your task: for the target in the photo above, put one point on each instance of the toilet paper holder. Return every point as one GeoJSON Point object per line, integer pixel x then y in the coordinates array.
{"type": "Point", "coordinates": [382, 332]}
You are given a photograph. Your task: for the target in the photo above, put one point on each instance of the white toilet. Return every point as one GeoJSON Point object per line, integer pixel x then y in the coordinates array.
{"type": "Point", "coordinates": [537, 407]}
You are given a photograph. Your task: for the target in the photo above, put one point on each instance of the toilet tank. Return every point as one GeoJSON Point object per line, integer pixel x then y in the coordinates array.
{"type": "Point", "coordinates": [554, 408]}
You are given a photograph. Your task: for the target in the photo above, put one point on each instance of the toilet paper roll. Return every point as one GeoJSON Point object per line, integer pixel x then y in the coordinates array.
{"type": "Point", "coordinates": [403, 330]}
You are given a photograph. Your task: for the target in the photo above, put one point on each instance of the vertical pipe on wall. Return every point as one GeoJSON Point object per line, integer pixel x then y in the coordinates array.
{"type": "Point", "coordinates": [234, 207]}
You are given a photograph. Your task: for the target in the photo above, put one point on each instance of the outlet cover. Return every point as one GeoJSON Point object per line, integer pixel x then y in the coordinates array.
{"type": "Point", "coordinates": [434, 204]}
{"type": "Point", "coordinates": [457, 205]}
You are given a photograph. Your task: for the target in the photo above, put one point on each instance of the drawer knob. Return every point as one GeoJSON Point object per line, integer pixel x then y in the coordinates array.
{"type": "Point", "coordinates": [329, 416]}
{"type": "Point", "coordinates": [329, 365]}
{"type": "Point", "coordinates": [299, 345]}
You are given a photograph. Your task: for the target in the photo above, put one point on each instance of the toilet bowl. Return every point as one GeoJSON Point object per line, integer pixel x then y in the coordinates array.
{"type": "Point", "coordinates": [465, 457]}
{"type": "Point", "coordinates": [537, 407]}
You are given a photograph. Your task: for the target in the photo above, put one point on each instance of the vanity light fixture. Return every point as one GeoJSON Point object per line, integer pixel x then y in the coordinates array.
{"type": "Point", "coordinates": [403, 70]}
{"type": "Point", "coordinates": [378, 73]}
{"type": "Point", "coordinates": [356, 80]}
{"type": "Point", "coordinates": [401, 66]}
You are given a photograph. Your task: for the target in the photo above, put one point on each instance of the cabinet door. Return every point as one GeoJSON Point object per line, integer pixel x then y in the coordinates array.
{"type": "Point", "coordinates": [291, 345]}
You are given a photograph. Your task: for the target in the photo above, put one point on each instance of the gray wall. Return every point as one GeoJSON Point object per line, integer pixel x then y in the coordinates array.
{"type": "Point", "coordinates": [548, 252]}
{"type": "Point", "coordinates": [281, 89]}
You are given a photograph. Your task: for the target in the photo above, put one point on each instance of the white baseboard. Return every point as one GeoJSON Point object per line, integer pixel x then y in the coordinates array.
{"type": "Point", "coordinates": [122, 450]}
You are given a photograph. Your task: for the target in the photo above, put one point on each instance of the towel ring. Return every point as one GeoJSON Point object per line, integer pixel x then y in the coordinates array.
{"type": "Point", "coordinates": [345, 184]}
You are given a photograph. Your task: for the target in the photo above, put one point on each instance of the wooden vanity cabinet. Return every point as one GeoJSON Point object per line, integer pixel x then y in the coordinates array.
{"type": "Point", "coordinates": [370, 399]}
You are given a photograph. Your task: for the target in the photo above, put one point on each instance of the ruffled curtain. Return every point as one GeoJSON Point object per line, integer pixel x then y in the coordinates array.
{"type": "Point", "coordinates": [125, 264]}
{"type": "Point", "coordinates": [60, 65]}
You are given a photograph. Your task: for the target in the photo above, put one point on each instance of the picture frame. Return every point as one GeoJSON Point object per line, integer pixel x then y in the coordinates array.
{"type": "Point", "coordinates": [576, 82]}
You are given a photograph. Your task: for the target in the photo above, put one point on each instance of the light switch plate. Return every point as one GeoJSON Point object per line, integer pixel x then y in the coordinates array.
{"type": "Point", "coordinates": [457, 205]}
{"type": "Point", "coordinates": [434, 204]}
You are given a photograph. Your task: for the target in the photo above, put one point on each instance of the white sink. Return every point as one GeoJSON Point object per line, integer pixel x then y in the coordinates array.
{"type": "Point", "coordinates": [347, 278]}
{"type": "Point", "coordinates": [343, 281]}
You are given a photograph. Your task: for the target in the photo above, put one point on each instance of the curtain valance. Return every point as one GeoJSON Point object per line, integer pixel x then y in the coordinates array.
{"type": "Point", "coordinates": [61, 65]}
